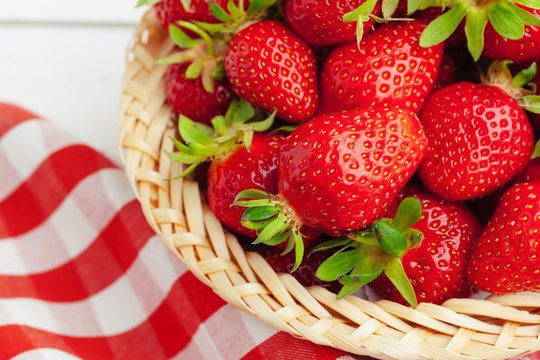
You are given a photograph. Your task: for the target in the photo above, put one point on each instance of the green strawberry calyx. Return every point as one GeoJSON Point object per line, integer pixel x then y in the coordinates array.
{"type": "Point", "coordinates": [519, 87]}
{"type": "Point", "coordinates": [205, 54]}
{"type": "Point", "coordinates": [363, 256]}
{"type": "Point", "coordinates": [273, 219]}
{"type": "Point", "coordinates": [235, 18]}
{"type": "Point", "coordinates": [202, 143]}
{"type": "Point", "coordinates": [505, 16]}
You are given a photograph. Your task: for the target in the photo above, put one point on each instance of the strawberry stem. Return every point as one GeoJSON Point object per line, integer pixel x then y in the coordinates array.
{"type": "Point", "coordinates": [203, 34]}
{"type": "Point", "coordinates": [364, 255]}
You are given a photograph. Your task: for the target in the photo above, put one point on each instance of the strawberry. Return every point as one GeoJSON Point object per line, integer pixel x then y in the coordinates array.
{"type": "Point", "coordinates": [436, 267]}
{"type": "Point", "coordinates": [479, 138]}
{"type": "Point", "coordinates": [170, 11]}
{"type": "Point", "coordinates": [523, 50]}
{"type": "Point", "coordinates": [189, 97]}
{"type": "Point", "coordinates": [447, 72]}
{"type": "Point", "coordinates": [269, 66]}
{"type": "Point", "coordinates": [390, 68]}
{"type": "Point", "coordinates": [505, 257]}
{"type": "Point", "coordinates": [350, 166]}
{"type": "Point", "coordinates": [241, 170]}
{"type": "Point", "coordinates": [321, 22]}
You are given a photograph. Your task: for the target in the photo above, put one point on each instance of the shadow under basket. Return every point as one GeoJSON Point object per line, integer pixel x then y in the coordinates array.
{"type": "Point", "coordinates": [499, 327]}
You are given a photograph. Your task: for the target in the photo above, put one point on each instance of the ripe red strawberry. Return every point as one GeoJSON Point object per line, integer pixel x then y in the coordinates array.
{"type": "Point", "coordinates": [321, 22]}
{"type": "Point", "coordinates": [505, 257]}
{"type": "Point", "coordinates": [524, 50]}
{"type": "Point", "coordinates": [241, 170]}
{"type": "Point", "coordinates": [339, 172]}
{"type": "Point", "coordinates": [479, 138]}
{"type": "Point", "coordinates": [436, 267]}
{"type": "Point", "coordinates": [447, 72]}
{"type": "Point", "coordinates": [170, 11]}
{"type": "Point", "coordinates": [189, 97]}
{"type": "Point", "coordinates": [269, 66]}
{"type": "Point", "coordinates": [389, 69]}
{"type": "Point", "coordinates": [350, 165]}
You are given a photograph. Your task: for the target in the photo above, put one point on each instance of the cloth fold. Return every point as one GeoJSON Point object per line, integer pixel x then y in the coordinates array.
{"type": "Point", "coordinates": [82, 275]}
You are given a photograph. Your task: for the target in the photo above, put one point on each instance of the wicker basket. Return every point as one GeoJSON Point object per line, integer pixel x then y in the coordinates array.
{"type": "Point", "coordinates": [500, 327]}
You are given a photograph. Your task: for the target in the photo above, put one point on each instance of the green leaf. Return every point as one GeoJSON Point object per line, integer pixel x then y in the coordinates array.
{"type": "Point", "coordinates": [533, 4]}
{"type": "Point", "coordinates": [290, 242]}
{"type": "Point", "coordinates": [525, 76]}
{"type": "Point", "coordinates": [189, 169]}
{"type": "Point", "coordinates": [258, 5]}
{"type": "Point", "coordinates": [331, 244]}
{"type": "Point", "coordinates": [475, 25]}
{"type": "Point", "coordinates": [259, 213]}
{"type": "Point", "coordinates": [412, 6]}
{"type": "Point", "coordinates": [210, 27]}
{"type": "Point", "coordinates": [443, 26]}
{"type": "Point", "coordinates": [248, 139]}
{"type": "Point", "coordinates": [391, 240]}
{"type": "Point", "coordinates": [530, 103]}
{"type": "Point", "coordinates": [186, 4]}
{"type": "Point", "coordinates": [408, 213]}
{"type": "Point", "coordinates": [181, 146]}
{"type": "Point", "coordinates": [364, 273]}
{"type": "Point", "coordinates": [413, 237]}
{"type": "Point", "coordinates": [395, 272]}
{"type": "Point", "coordinates": [365, 237]}
{"type": "Point", "coordinates": [264, 124]}
{"type": "Point", "coordinates": [194, 69]}
{"type": "Point", "coordinates": [298, 248]}
{"type": "Point", "coordinates": [219, 73]}
{"type": "Point", "coordinates": [255, 225]}
{"type": "Point", "coordinates": [204, 151]}
{"type": "Point", "coordinates": [252, 194]}
{"type": "Point", "coordinates": [243, 112]}
{"type": "Point", "coordinates": [236, 12]}
{"type": "Point", "coordinates": [193, 132]}
{"type": "Point", "coordinates": [252, 203]}
{"type": "Point", "coordinates": [183, 157]}
{"type": "Point", "coordinates": [506, 22]}
{"type": "Point", "coordinates": [219, 12]}
{"type": "Point", "coordinates": [363, 10]}
{"type": "Point", "coordinates": [180, 38]}
{"type": "Point", "coordinates": [278, 239]}
{"type": "Point", "coordinates": [536, 152]}
{"type": "Point", "coordinates": [359, 31]}
{"type": "Point", "coordinates": [389, 7]}
{"type": "Point", "coordinates": [146, 2]}
{"type": "Point", "coordinates": [219, 124]}
{"type": "Point", "coordinates": [175, 59]}
{"type": "Point", "coordinates": [275, 227]}
{"type": "Point", "coordinates": [526, 17]}
{"type": "Point", "coordinates": [341, 263]}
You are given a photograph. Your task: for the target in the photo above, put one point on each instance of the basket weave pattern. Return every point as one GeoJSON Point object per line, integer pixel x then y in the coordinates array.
{"type": "Point", "coordinates": [497, 328]}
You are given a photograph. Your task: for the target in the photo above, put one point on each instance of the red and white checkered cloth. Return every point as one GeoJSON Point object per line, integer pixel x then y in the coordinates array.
{"type": "Point", "coordinates": [82, 276]}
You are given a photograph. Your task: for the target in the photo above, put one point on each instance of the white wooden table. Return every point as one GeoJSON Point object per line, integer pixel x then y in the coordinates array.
{"type": "Point", "coordinates": [64, 60]}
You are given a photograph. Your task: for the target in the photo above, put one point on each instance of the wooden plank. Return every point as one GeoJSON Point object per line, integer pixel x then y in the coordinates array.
{"type": "Point", "coordinates": [70, 11]}
{"type": "Point", "coordinates": [70, 75]}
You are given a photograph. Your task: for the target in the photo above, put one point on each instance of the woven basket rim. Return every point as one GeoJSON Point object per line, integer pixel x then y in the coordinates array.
{"type": "Point", "coordinates": [499, 327]}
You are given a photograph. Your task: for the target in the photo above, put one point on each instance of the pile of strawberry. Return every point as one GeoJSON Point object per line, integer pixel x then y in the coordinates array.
{"type": "Point", "coordinates": [355, 142]}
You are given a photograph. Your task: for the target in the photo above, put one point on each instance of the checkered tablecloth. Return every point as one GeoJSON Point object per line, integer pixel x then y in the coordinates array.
{"type": "Point", "coordinates": [82, 275]}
